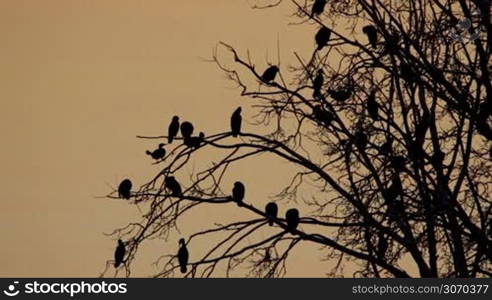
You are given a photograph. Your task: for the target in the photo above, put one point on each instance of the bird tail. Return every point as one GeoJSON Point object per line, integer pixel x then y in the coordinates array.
{"type": "Point", "coordinates": [170, 139]}
{"type": "Point", "coordinates": [270, 222]}
{"type": "Point", "coordinates": [234, 134]}
{"type": "Point", "coordinates": [183, 269]}
{"type": "Point", "coordinates": [116, 264]}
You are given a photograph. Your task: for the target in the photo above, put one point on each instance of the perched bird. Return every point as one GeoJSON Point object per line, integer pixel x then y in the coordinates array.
{"type": "Point", "coordinates": [321, 115]}
{"type": "Point", "coordinates": [124, 190]}
{"type": "Point", "coordinates": [341, 95]}
{"type": "Point", "coordinates": [271, 210]}
{"type": "Point", "coordinates": [236, 121]}
{"type": "Point", "coordinates": [372, 34]}
{"type": "Point", "coordinates": [391, 44]}
{"type": "Point", "coordinates": [159, 153]}
{"type": "Point", "coordinates": [387, 147]}
{"type": "Point", "coordinates": [372, 106]}
{"type": "Point", "coordinates": [396, 187]}
{"type": "Point", "coordinates": [292, 218]}
{"type": "Point", "coordinates": [318, 83]}
{"type": "Point", "coordinates": [322, 37]}
{"type": "Point", "coordinates": [173, 185]}
{"type": "Point", "coordinates": [269, 74]}
{"type": "Point", "coordinates": [173, 129]}
{"type": "Point", "coordinates": [361, 139]}
{"type": "Point", "coordinates": [318, 7]}
{"type": "Point", "coordinates": [382, 245]}
{"type": "Point", "coordinates": [119, 254]}
{"type": "Point", "coordinates": [196, 141]}
{"type": "Point", "coordinates": [183, 256]}
{"type": "Point", "coordinates": [484, 129]}
{"type": "Point", "coordinates": [186, 130]}
{"type": "Point", "coordinates": [238, 192]}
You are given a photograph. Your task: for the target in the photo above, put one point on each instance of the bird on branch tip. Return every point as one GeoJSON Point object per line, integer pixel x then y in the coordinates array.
{"type": "Point", "coordinates": [322, 37]}
{"type": "Point", "coordinates": [173, 129]}
{"type": "Point", "coordinates": [271, 210]}
{"type": "Point", "coordinates": [159, 153]}
{"type": "Point", "coordinates": [269, 74]}
{"type": "Point", "coordinates": [318, 83]}
{"type": "Point", "coordinates": [236, 121]}
{"type": "Point", "coordinates": [361, 139]}
{"type": "Point", "coordinates": [183, 256]}
{"type": "Point", "coordinates": [292, 218]}
{"type": "Point", "coordinates": [340, 95]}
{"type": "Point", "coordinates": [238, 192]}
{"type": "Point", "coordinates": [387, 147]}
{"type": "Point", "coordinates": [124, 189]}
{"type": "Point", "coordinates": [119, 254]}
{"type": "Point", "coordinates": [173, 185]}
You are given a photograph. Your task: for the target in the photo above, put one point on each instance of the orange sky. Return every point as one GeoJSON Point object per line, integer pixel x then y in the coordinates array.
{"type": "Point", "coordinates": [78, 81]}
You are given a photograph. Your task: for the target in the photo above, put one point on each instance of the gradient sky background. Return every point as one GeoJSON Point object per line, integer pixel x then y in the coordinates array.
{"type": "Point", "coordinates": [79, 80]}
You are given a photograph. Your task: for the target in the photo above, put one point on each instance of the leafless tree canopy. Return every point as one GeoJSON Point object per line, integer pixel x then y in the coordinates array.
{"type": "Point", "coordinates": [393, 136]}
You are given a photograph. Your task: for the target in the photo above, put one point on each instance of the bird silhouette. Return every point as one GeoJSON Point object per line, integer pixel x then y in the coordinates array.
{"type": "Point", "coordinates": [236, 121]}
{"type": "Point", "coordinates": [238, 192]}
{"type": "Point", "coordinates": [186, 130]}
{"type": "Point", "coordinates": [340, 95]}
{"type": "Point", "coordinates": [173, 185]}
{"type": "Point", "coordinates": [391, 44]}
{"type": "Point", "coordinates": [269, 74]}
{"type": "Point", "coordinates": [382, 246]}
{"type": "Point", "coordinates": [318, 83]}
{"type": "Point", "coordinates": [124, 190]}
{"type": "Point", "coordinates": [372, 106]}
{"type": "Point", "coordinates": [387, 147]}
{"type": "Point", "coordinates": [407, 73]}
{"type": "Point", "coordinates": [484, 129]}
{"type": "Point", "coordinates": [183, 256]}
{"type": "Point", "coordinates": [292, 218]}
{"type": "Point", "coordinates": [196, 141]}
{"type": "Point", "coordinates": [372, 34]}
{"type": "Point", "coordinates": [396, 187]}
{"type": "Point", "coordinates": [267, 257]}
{"type": "Point", "coordinates": [271, 210]}
{"type": "Point", "coordinates": [119, 254]}
{"type": "Point", "coordinates": [322, 37]}
{"type": "Point", "coordinates": [361, 139]}
{"type": "Point", "coordinates": [321, 115]}
{"type": "Point", "coordinates": [318, 7]}
{"type": "Point", "coordinates": [173, 129]}
{"type": "Point", "coordinates": [159, 153]}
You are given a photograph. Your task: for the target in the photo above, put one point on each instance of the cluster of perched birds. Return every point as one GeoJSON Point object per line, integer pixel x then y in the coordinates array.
{"type": "Point", "coordinates": [398, 163]}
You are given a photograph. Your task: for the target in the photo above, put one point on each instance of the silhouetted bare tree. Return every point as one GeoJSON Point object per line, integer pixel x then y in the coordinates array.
{"type": "Point", "coordinates": [391, 120]}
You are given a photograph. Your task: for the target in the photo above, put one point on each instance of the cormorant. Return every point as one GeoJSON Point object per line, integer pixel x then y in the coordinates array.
{"type": "Point", "coordinates": [318, 7]}
{"type": "Point", "coordinates": [382, 246]}
{"type": "Point", "coordinates": [183, 256]}
{"type": "Point", "coordinates": [124, 190]}
{"type": "Point", "coordinates": [119, 254]}
{"type": "Point", "coordinates": [196, 141]}
{"type": "Point", "coordinates": [159, 153]}
{"type": "Point", "coordinates": [322, 37]}
{"type": "Point", "coordinates": [372, 34]}
{"type": "Point", "coordinates": [396, 187]}
{"type": "Point", "coordinates": [322, 115]}
{"type": "Point", "coordinates": [236, 120]}
{"type": "Point", "coordinates": [271, 210]}
{"type": "Point", "coordinates": [186, 130]}
{"type": "Point", "coordinates": [372, 106]}
{"type": "Point", "coordinates": [269, 74]}
{"type": "Point", "coordinates": [173, 185]}
{"type": "Point", "coordinates": [292, 218]}
{"type": "Point", "coordinates": [318, 83]}
{"type": "Point", "coordinates": [173, 129]}
{"type": "Point", "coordinates": [340, 95]}
{"type": "Point", "coordinates": [238, 192]}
